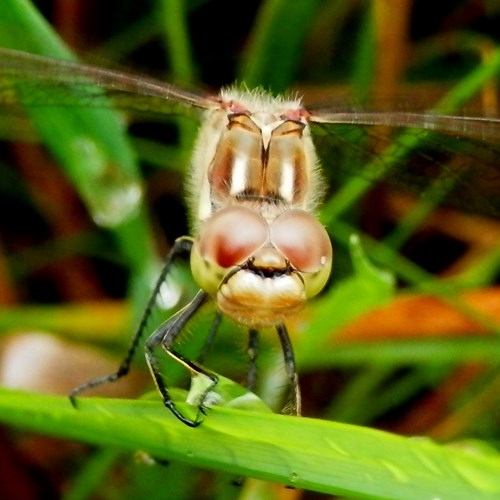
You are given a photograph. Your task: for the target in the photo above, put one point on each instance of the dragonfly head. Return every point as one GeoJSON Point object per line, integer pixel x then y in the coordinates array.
{"type": "Point", "coordinates": [261, 271]}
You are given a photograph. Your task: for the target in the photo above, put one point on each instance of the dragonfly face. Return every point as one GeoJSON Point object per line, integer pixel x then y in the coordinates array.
{"type": "Point", "coordinates": [258, 250]}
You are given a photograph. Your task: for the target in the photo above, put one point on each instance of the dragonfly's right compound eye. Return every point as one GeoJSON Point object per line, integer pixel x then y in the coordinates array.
{"type": "Point", "coordinates": [304, 242]}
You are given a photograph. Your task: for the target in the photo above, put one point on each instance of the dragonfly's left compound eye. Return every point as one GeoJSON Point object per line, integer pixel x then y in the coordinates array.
{"type": "Point", "coordinates": [227, 239]}
{"type": "Point", "coordinates": [304, 242]}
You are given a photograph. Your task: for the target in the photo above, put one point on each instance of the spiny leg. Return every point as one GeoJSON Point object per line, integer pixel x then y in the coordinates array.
{"type": "Point", "coordinates": [291, 371]}
{"type": "Point", "coordinates": [181, 246]}
{"type": "Point", "coordinates": [207, 345]}
{"type": "Point", "coordinates": [253, 352]}
{"type": "Point", "coordinates": [165, 336]}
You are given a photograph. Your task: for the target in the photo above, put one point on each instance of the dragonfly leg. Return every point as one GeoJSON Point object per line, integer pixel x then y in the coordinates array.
{"type": "Point", "coordinates": [291, 371]}
{"type": "Point", "coordinates": [182, 246]}
{"type": "Point", "coordinates": [165, 337]}
{"type": "Point", "coordinates": [253, 351]}
{"type": "Point", "coordinates": [210, 338]}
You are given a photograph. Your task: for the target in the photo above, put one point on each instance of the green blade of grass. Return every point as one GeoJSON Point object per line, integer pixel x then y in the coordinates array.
{"type": "Point", "coordinates": [304, 453]}
{"type": "Point", "coordinates": [274, 48]}
{"type": "Point", "coordinates": [90, 144]}
{"type": "Point", "coordinates": [483, 349]}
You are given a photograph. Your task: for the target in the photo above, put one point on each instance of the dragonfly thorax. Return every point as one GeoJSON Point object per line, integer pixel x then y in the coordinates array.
{"type": "Point", "coordinates": [252, 148]}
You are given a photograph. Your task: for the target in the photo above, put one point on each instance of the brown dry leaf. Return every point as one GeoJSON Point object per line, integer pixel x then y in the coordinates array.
{"type": "Point", "coordinates": [424, 316]}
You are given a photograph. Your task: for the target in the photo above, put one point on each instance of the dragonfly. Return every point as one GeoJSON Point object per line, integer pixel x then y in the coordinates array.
{"type": "Point", "coordinates": [257, 248]}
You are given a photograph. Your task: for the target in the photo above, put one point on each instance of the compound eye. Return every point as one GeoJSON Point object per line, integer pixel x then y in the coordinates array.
{"type": "Point", "coordinates": [302, 240]}
{"type": "Point", "coordinates": [231, 236]}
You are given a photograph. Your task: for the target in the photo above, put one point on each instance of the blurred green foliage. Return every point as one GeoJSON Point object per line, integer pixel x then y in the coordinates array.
{"type": "Point", "coordinates": [110, 157]}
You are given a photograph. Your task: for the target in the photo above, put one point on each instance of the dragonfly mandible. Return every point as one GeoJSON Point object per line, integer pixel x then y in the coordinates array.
{"type": "Point", "coordinates": [257, 248]}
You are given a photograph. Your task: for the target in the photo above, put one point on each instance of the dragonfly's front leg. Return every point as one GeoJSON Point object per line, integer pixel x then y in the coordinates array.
{"type": "Point", "coordinates": [165, 336]}
{"type": "Point", "coordinates": [181, 247]}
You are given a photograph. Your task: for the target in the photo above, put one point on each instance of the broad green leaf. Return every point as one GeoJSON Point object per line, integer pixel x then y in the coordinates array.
{"type": "Point", "coordinates": [305, 453]}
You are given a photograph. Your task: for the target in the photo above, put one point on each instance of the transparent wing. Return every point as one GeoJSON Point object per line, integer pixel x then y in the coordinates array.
{"type": "Point", "coordinates": [485, 128]}
{"type": "Point", "coordinates": [454, 160]}
{"type": "Point", "coordinates": [33, 80]}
